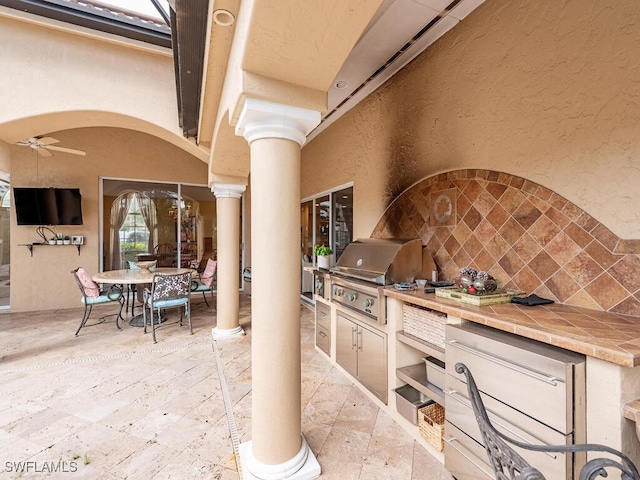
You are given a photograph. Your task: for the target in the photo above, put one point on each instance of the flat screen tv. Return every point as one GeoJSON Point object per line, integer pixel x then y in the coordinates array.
{"type": "Point", "coordinates": [48, 206]}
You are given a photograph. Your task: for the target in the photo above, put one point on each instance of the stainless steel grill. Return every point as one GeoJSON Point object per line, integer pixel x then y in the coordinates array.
{"type": "Point", "coordinates": [368, 265]}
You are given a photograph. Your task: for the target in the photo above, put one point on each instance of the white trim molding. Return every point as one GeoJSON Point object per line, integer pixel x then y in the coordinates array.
{"type": "Point", "coordinates": [303, 466]}
{"type": "Point", "coordinates": [262, 119]}
{"type": "Point", "coordinates": [228, 190]}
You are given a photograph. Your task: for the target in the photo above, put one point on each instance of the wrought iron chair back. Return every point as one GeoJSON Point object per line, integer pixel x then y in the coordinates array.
{"type": "Point", "coordinates": [164, 254]}
{"type": "Point", "coordinates": [507, 464]}
{"type": "Point", "coordinates": [93, 295]}
{"type": "Point", "coordinates": [168, 291]}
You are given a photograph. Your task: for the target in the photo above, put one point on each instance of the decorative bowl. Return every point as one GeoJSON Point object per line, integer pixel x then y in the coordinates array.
{"type": "Point", "coordinates": [421, 282]}
{"type": "Point", "coordinates": [146, 265]}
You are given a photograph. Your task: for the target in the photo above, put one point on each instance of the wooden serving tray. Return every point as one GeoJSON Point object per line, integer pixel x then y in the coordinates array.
{"type": "Point", "coordinates": [501, 295]}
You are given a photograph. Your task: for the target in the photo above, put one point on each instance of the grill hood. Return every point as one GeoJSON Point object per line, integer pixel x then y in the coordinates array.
{"type": "Point", "coordinates": [383, 261]}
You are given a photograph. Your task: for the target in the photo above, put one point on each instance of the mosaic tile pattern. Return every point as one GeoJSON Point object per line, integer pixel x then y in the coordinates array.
{"type": "Point", "coordinates": [524, 234]}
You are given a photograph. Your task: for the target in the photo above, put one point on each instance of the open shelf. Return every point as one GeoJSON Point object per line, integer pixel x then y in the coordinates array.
{"type": "Point", "coordinates": [31, 245]}
{"type": "Point", "coordinates": [416, 376]}
{"type": "Point", "coordinates": [419, 344]}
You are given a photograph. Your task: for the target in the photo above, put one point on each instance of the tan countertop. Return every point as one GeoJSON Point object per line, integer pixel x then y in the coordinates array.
{"type": "Point", "coordinates": [607, 336]}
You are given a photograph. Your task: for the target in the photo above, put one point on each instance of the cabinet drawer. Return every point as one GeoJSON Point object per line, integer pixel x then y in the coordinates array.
{"type": "Point", "coordinates": [323, 339]}
{"type": "Point", "coordinates": [463, 457]}
{"type": "Point", "coordinates": [323, 315]}
{"type": "Point", "coordinates": [512, 423]}
{"type": "Point", "coordinates": [528, 373]}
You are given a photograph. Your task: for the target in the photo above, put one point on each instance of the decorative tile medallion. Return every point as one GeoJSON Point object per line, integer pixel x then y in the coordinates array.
{"type": "Point", "coordinates": [443, 207]}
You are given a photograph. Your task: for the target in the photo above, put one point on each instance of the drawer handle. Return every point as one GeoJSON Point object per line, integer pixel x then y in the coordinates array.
{"type": "Point", "coordinates": [454, 395]}
{"type": "Point", "coordinates": [482, 468]}
{"type": "Point", "coordinates": [551, 380]}
{"type": "Point", "coordinates": [322, 334]}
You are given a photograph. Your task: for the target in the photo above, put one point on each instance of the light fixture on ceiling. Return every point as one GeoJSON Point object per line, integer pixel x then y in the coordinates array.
{"type": "Point", "coordinates": [223, 17]}
{"type": "Point", "coordinates": [341, 84]}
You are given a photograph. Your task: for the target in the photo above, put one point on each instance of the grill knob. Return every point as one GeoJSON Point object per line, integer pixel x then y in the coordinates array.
{"type": "Point", "coordinates": [353, 297]}
{"type": "Point", "coordinates": [368, 302]}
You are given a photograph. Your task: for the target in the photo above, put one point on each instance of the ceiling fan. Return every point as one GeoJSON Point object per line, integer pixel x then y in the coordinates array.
{"type": "Point", "coordinates": [45, 144]}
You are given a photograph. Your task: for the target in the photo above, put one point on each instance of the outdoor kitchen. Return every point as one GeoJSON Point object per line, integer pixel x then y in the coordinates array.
{"type": "Point", "coordinates": [400, 341]}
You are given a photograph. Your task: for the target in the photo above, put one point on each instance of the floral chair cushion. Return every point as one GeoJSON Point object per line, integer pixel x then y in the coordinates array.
{"type": "Point", "coordinates": [91, 288]}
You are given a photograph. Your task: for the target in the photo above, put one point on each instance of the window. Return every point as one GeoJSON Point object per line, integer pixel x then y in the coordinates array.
{"type": "Point", "coordinates": [327, 219]}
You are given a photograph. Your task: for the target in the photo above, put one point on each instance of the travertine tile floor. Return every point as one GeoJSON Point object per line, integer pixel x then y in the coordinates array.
{"type": "Point", "coordinates": [112, 405]}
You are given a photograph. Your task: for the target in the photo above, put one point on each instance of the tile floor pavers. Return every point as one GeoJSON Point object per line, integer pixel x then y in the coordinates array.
{"type": "Point", "coordinates": [112, 405]}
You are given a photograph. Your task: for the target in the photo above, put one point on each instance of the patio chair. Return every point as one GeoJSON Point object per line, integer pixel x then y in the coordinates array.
{"type": "Point", "coordinates": [167, 291]}
{"type": "Point", "coordinates": [93, 295]}
{"type": "Point", "coordinates": [204, 282]}
{"type": "Point", "coordinates": [509, 465]}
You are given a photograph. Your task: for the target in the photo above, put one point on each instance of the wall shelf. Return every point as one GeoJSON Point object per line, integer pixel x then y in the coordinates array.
{"type": "Point", "coordinates": [421, 345]}
{"type": "Point", "coordinates": [31, 245]}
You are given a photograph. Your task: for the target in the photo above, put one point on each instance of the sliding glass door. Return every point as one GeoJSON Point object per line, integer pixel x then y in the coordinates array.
{"type": "Point", "coordinates": [325, 219]}
{"type": "Point", "coordinates": [173, 223]}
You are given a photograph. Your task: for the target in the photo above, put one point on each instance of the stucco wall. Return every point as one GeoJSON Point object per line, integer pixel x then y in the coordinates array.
{"type": "Point", "coordinates": [548, 91]}
{"type": "Point", "coordinates": [44, 280]}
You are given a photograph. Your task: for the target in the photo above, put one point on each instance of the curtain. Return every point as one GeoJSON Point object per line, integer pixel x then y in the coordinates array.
{"type": "Point", "coordinates": [119, 210]}
{"type": "Point", "coordinates": [148, 211]}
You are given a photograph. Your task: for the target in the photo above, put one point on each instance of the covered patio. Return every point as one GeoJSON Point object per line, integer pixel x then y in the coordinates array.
{"type": "Point", "coordinates": [112, 405]}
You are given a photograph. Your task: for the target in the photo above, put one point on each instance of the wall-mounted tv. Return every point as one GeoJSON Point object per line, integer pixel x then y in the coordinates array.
{"type": "Point", "coordinates": [48, 206]}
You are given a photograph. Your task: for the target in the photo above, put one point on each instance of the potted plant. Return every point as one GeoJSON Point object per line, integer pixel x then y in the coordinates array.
{"type": "Point", "coordinates": [60, 239]}
{"type": "Point", "coordinates": [52, 241]}
{"type": "Point", "coordinates": [323, 255]}
{"type": "Point", "coordinates": [67, 240]}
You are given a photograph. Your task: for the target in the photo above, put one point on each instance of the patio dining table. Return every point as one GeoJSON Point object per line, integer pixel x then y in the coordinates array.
{"type": "Point", "coordinates": [135, 277]}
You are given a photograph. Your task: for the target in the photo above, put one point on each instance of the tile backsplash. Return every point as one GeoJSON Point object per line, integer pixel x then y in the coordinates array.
{"type": "Point", "coordinates": [525, 235]}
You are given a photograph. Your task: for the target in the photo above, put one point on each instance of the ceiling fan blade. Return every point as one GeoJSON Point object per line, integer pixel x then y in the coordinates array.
{"type": "Point", "coordinates": [66, 150]}
{"type": "Point", "coordinates": [47, 140]}
{"type": "Point", "coordinates": [27, 142]}
{"type": "Point", "coordinates": [43, 152]}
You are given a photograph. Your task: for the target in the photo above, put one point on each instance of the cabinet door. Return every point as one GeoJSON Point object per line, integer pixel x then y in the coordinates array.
{"type": "Point", "coordinates": [346, 346]}
{"type": "Point", "coordinates": [372, 361]}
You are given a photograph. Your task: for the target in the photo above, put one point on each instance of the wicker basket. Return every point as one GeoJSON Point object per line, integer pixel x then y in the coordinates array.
{"type": "Point", "coordinates": [426, 324]}
{"type": "Point", "coordinates": [431, 424]}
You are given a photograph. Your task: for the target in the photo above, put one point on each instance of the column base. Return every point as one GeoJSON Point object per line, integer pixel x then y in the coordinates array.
{"type": "Point", "coordinates": [303, 466]}
{"type": "Point", "coordinates": [220, 334]}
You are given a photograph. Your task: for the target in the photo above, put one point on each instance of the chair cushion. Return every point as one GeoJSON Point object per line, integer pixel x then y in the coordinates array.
{"type": "Point", "coordinates": [199, 287]}
{"type": "Point", "coordinates": [91, 288]}
{"type": "Point", "coordinates": [175, 302]}
{"type": "Point", "coordinates": [209, 272]}
{"type": "Point", "coordinates": [104, 298]}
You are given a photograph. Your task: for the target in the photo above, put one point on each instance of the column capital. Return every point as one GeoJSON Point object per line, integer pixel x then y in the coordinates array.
{"type": "Point", "coordinates": [262, 119]}
{"type": "Point", "coordinates": [228, 190]}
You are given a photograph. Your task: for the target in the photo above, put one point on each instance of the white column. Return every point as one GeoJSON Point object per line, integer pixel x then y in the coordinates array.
{"type": "Point", "coordinates": [276, 133]}
{"type": "Point", "coordinates": [228, 198]}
